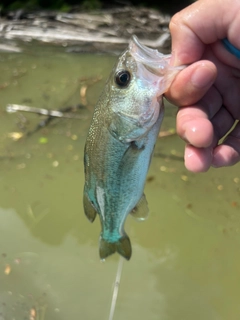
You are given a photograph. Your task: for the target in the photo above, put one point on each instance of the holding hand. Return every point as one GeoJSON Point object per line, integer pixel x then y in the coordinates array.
{"type": "Point", "coordinates": [207, 91]}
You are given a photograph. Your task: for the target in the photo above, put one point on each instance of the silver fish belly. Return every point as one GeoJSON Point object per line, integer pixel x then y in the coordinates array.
{"type": "Point", "coordinates": [120, 143]}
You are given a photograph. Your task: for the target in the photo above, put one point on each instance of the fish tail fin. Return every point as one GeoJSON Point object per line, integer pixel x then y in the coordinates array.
{"type": "Point", "coordinates": [122, 246]}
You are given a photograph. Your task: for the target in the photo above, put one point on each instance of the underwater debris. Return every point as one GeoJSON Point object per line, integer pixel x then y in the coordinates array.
{"type": "Point", "coordinates": [7, 269]}
{"type": "Point", "coordinates": [15, 136]}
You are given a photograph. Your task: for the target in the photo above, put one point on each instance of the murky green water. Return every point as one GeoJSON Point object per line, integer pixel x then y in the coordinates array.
{"type": "Point", "coordinates": [186, 260]}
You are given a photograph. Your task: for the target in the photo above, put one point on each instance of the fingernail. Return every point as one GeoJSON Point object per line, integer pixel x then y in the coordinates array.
{"type": "Point", "coordinates": [218, 160]}
{"type": "Point", "coordinates": [200, 78]}
{"type": "Point", "coordinates": [172, 60]}
{"type": "Point", "coordinates": [175, 61]}
{"type": "Point", "coordinates": [188, 152]}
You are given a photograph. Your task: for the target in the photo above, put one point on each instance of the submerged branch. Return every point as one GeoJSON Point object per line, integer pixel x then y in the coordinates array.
{"type": "Point", "coordinates": [168, 133]}
{"type": "Point", "coordinates": [52, 113]}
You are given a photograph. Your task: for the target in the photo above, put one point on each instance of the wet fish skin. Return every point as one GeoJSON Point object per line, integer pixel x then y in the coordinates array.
{"type": "Point", "coordinates": [118, 150]}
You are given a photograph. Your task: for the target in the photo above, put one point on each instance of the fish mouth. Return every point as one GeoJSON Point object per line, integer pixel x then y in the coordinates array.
{"type": "Point", "coordinates": [156, 63]}
{"type": "Point", "coordinates": [152, 59]}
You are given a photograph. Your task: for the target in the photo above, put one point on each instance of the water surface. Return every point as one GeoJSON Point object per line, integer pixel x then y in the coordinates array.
{"type": "Point", "coordinates": [186, 260]}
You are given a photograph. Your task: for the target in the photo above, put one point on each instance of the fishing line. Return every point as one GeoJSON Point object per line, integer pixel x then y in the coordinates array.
{"type": "Point", "coordinates": [116, 288]}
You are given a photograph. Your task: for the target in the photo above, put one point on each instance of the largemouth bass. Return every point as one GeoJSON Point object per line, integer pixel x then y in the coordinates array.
{"type": "Point", "coordinates": [120, 142]}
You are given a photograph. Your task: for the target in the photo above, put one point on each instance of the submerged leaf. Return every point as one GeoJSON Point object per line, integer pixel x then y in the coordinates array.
{"type": "Point", "coordinates": [43, 140]}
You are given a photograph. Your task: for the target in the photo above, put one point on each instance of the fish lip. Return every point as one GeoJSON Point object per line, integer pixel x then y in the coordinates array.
{"type": "Point", "coordinates": [152, 59]}
{"type": "Point", "coordinates": [156, 63]}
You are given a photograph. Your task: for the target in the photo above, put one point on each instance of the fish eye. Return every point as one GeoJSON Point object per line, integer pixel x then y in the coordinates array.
{"type": "Point", "coordinates": [122, 78]}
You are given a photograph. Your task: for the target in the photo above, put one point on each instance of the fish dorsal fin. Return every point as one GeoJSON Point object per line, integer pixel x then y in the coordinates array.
{"type": "Point", "coordinates": [141, 212]}
{"type": "Point", "coordinates": [89, 209]}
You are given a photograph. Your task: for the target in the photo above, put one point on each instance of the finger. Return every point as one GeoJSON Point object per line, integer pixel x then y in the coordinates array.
{"type": "Point", "coordinates": [228, 85]}
{"type": "Point", "coordinates": [197, 79]}
{"type": "Point", "coordinates": [194, 127]}
{"type": "Point", "coordinates": [197, 159]}
{"type": "Point", "coordinates": [228, 153]}
{"type": "Point", "coordinates": [223, 55]}
{"type": "Point", "coordinates": [200, 159]}
{"type": "Point", "coordinates": [193, 124]}
{"type": "Point", "coordinates": [222, 122]}
{"type": "Point", "coordinates": [227, 81]}
{"type": "Point", "coordinates": [196, 26]}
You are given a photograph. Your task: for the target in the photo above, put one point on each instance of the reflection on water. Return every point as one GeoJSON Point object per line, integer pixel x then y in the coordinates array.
{"type": "Point", "coordinates": [185, 262]}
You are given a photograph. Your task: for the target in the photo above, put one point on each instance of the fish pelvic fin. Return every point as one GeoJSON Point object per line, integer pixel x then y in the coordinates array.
{"type": "Point", "coordinates": [122, 246]}
{"type": "Point", "coordinates": [141, 212]}
{"type": "Point", "coordinates": [89, 209]}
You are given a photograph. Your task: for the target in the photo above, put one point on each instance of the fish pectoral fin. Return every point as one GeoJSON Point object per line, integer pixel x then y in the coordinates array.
{"type": "Point", "coordinates": [89, 209]}
{"type": "Point", "coordinates": [138, 144]}
{"type": "Point", "coordinates": [141, 211]}
{"type": "Point", "coordinates": [122, 246]}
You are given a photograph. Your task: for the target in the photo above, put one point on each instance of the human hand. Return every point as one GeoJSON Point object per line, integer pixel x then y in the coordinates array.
{"type": "Point", "coordinates": [208, 90]}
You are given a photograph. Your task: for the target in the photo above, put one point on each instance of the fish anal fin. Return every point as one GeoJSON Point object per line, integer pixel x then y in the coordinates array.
{"type": "Point", "coordinates": [122, 246]}
{"type": "Point", "coordinates": [89, 209]}
{"type": "Point", "coordinates": [141, 211]}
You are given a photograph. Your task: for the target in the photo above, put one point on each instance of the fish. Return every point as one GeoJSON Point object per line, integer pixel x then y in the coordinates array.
{"type": "Point", "coordinates": [120, 143]}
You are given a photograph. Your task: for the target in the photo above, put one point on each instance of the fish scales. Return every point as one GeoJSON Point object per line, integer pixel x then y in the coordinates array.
{"type": "Point", "coordinates": [120, 143]}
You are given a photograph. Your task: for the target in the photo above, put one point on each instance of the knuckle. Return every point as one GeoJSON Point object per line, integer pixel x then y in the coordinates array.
{"type": "Point", "coordinates": [174, 22]}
